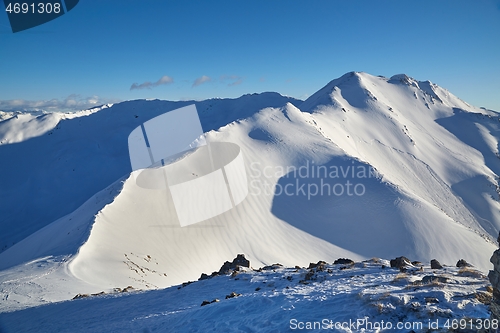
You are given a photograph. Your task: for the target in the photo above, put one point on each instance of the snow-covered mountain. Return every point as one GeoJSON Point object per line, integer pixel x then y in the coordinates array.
{"type": "Point", "coordinates": [406, 168]}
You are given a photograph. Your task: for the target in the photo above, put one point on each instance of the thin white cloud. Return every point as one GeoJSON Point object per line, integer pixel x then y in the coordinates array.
{"type": "Point", "coordinates": [148, 85]}
{"type": "Point", "coordinates": [73, 102]}
{"type": "Point", "coordinates": [234, 80]}
{"type": "Point", "coordinates": [201, 80]}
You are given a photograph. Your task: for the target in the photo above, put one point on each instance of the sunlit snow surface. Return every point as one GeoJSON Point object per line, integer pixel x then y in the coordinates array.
{"type": "Point", "coordinates": [276, 300]}
{"type": "Point", "coordinates": [73, 219]}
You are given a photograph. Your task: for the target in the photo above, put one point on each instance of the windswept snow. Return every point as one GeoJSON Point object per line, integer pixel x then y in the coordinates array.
{"type": "Point", "coordinates": [364, 297]}
{"type": "Point", "coordinates": [366, 167]}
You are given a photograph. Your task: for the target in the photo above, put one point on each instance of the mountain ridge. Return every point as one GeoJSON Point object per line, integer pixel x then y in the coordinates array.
{"type": "Point", "coordinates": [435, 193]}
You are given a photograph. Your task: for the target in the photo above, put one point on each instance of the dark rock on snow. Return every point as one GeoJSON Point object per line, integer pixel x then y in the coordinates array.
{"type": "Point", "coordinates": [463, 263]}
{"type": "Point", "coordinates": [228, 267]}
{"type": "Point", "coordinates": [434, 279]}
{"type": "Point", "coordinates": [319, 263]}
{"type": "Point", "coordinates": [400, 262]}
{"type": "Point", "coordinates": [232, 295]}
{"type": "Point", "coordinates": [435, 264]}
{"type": "Point", "coordinates": [240, 260]}
{"type": "Point", "coordinates": [343, 261]}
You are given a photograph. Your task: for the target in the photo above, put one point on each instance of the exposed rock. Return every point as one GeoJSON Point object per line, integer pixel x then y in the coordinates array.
{"type": "Point", "coordinates": [80, 296]}
{"type": "Point", "coordinates": [240, 260]}
{"type": "Point", "coordinates": [205, 302]}
{"type": "Point", "coordinates": [463, 263]}
{"type": "Point", "coordinates": [416, 263]}
{"type": "Point", "coordinates": [400, 262]}
{"type": "Point", "coordinates": [494, 277]}
{"type": "Point", "coordinates": [484, 297]}
{"type": "Point", "coordinates": [203, 277]}
{"type": "Point", "coordinates": [434, 279]}
{"type": "Point", "coordinates": [319, 263]}
{"type": "Point", "coordinates": [343, 261]}
{"type": "Point", "coordinates": [272, 267]}
{"type": "Point", "coordinates": [431, 300]}
{"type": "Point", "coordinates": [309, 275]}
{"type": "Point", "coordinates": [435, 264]}
{"type": "Point", "coordinates": [228, 267]}
{"type": "Point", "coordinates": [232, 295]}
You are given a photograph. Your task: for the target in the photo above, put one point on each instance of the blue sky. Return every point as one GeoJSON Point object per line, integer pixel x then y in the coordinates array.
{"type": "Point", "coordinates": [203, 49]}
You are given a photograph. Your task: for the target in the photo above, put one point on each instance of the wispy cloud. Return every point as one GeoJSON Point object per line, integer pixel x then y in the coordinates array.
{"type": "Point", "coordinates": [148, 85]}
{"type": "Point", "coordinates": [234, 80]}
{"type": "Point", "coordinates": [201, 80]}
{"type": "Point", "coordinates": [73, 102]}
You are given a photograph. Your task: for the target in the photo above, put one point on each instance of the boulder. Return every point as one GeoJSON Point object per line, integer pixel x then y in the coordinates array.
{"type": "Point", "coordinates": [400, 262]}
{"type": "Point", "coordinates": [434, 279]}
{"type": "Point", "coordinates": [343, 261]}
{"type": "Point", "coordinates": [80, 296]}
{"type": "Point", "coordinates": [232, 295]}
{"type": "Point", "coordinates": [435, 264]}
{"type": "Point", "coordinates": [319, 263]}
{"type": "Point", "coordinates": [463, 263]}
{"type": "Point", "coordinates": [272, 267]}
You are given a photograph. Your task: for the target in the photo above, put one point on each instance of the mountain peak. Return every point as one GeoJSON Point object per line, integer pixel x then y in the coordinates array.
{"type": "Point", "coordinates": [358, 89]}
{"type": "Point", "coordinates": [404, 79]}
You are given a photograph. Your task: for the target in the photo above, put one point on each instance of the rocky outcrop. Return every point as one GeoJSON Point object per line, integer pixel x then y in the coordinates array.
{"type": "Point", "coordinates": [228, 267]}
{"type": "Point", "coordinates": [494, 277]}
{"type": "Point", "coordinates": [240, 260]}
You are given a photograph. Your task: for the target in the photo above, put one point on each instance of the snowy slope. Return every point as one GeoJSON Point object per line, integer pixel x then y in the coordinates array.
{"type": "Point", "coordinates": [429, 189]}
{"type": "Point", "coordinates": [335, 298]}
{"type": "Point", "coordinates": [396, 125]}
{"type": "Point", "coordinates": [67, 158]}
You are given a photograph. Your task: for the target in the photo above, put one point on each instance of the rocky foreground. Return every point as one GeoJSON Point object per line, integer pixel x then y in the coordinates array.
{"type": "Point", "coordinates": [344, 296]}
